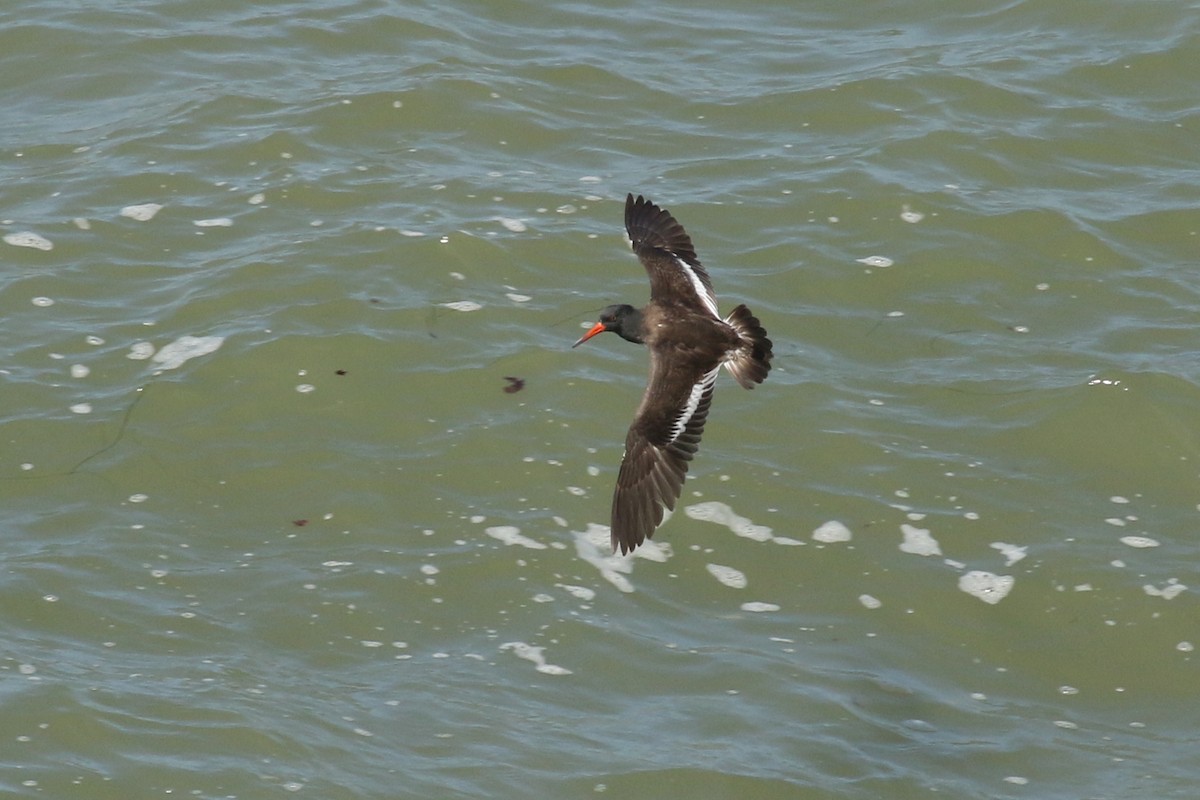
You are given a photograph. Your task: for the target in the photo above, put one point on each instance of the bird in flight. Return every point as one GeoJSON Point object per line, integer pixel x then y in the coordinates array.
{"type": "Point", "coordinates": [689, 342]}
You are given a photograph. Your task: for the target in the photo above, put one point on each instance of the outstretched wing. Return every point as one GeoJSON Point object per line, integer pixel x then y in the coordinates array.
{"type": "Point", "coordinates": [666, 251]}
{"type": "Point", "coordinates": [663, 438]}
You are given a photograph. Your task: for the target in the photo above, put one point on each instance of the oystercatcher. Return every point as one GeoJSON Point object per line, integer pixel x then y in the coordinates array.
{"type": "Point", "coordinates": [688, 342]}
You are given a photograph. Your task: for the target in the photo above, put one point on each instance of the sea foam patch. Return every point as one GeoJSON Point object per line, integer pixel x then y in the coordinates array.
{"type": "Point", "coordinates": [511, 535]}
{"type": "Point", "coordinates": [722, 514]}
{"type": "Point", "coordinates": [463, 305]}
{"type": "Point", "coordinates": [918, 541]}
{"type": "Point", "coordinates": [727, 576]}
{"type": "Point", "coordinates": [28, 239]}
{"type": "Point", "coordinates": [756, 607]}
{"type": "Point", "coordinates": [1011, 552]}
{"type": "Point", "coordinates": [142, 212]}
{"type": "Point", "coordinates": [1172, 589]}
{"type": "Point", "coordinates": [595, 547]}
{"type": "Point", "coordinates": [832, 531]}
{"type": "Point", "coordinates": [986, 586]}
{"type": "Point", "coordinates": [534, 654]}
{"type": "Point", "coordinates": [184, 349]}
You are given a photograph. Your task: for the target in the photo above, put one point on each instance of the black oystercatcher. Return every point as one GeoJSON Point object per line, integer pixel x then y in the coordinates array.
{"type": "Point", "coordinates": [688, 342]}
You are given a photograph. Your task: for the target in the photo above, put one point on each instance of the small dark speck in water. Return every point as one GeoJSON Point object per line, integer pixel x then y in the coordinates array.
{"type": "Point", "coordinates": [299, 523]}
{"type": "Point", "coordinates": [514, 384]}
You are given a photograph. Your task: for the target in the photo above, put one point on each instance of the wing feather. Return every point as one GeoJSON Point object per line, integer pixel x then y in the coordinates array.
{"type": "Point", "coordinates": [663, 438]}
{"type": "Point", "coordinates": [667, 253]}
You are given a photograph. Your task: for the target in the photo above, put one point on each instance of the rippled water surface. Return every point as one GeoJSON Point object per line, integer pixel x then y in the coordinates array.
{"type": "Point", "coordinates": [273, 526]}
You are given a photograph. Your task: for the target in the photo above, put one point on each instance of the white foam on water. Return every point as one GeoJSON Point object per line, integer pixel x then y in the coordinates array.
{"type": "Point", "coordinates": [721, 514]}
{"type": "Point", "coordinates": [869, 602]}
{"type": "Point", "coordinates": [1172, 589]}
{"type": "Point", "coordinates": [654, 551]}
{"type": "Point", "coordinates": [28, 239]}
{"type": "Point", "coordinates": [463, 305]}
{"type": "Point", "coordinates": [918, 541]}
{"type": "Point", "coordinates": [876, 261]}
{"type": "Point", "coordinates": [184, 349]}
{"type": "Point", "coordinates": [143, 212]}
{"type": "Point", "coordinates": [81, 408]}
{"type": "Point", "coordinates": [578, 592]}
{"type": "Point", "coordinates": [758, 607]}
{"type": "Point", "coordinates": [140, 351]}
{"type": "Point", "coordinates": [80, 371]}
{"type": "Point", "coordinates": [986, 586]}
{"type": "Point", "coordinates": [1011, 552]}
{"type": "Point", "coordinates": [1139, 541]}
{"type": "Point", "coordinates": [728, 576]}
{"type": "Point", "coordinates": [511, 535]}
{"type": "Point", "coordinates": [832, 531]}
{"type": "Point", "coordinates": [514, 225]}
{"type": "Point", "coordinates": [534, 654]}
{"type": "Point", "coordinates": [594, 546]}
{"type": "Point", "coordinates": [518, 298]}
{"type": "Point", "coordinates": [216, 222]}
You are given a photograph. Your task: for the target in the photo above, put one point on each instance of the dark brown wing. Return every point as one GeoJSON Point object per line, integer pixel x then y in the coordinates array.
{"type": "Point", "coordinates": [666, 251]}
{"type": "Point", "coordinates": [663, 438]}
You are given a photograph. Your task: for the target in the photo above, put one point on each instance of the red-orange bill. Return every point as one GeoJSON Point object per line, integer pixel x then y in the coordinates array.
{"type": "Point", "coordinates": [597, 328]}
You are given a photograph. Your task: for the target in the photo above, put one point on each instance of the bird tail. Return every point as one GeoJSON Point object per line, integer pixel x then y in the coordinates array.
{"type": "Point", "coordinates": [750, 362]}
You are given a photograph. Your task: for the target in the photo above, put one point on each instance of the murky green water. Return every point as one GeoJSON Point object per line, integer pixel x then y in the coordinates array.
{"type": "Point", "coordinates": [317, 550]}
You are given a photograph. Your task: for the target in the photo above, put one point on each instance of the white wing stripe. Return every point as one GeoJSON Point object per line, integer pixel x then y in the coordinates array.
{"type": "Point", "coordinates": [693, 401]}
{"type": "Point", "coordinates": [703, 293]}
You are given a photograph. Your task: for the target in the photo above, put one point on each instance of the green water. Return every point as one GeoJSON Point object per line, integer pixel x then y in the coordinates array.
{"type": "Point", "coordinates": [323, 553]}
